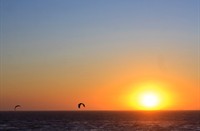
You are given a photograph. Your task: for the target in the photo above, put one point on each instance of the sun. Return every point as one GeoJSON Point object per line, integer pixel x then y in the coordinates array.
{"type": "Point", "coordinates": [149, 100]}
{"type": "Point", "coordinates": [149, 96]}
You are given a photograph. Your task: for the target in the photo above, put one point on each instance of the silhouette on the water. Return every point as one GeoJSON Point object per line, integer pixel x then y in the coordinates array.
{"type": "Point", "coordinates": [79, 105]}
{"type": "Point", "coordinates": [16, 107]}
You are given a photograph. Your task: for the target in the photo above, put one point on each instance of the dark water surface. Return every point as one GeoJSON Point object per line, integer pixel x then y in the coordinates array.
{"type": "Point", "coordinates": [100, 121]}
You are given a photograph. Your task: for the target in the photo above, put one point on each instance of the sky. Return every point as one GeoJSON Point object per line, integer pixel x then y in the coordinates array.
{"type": "Point", "coordinates": [104, 53]}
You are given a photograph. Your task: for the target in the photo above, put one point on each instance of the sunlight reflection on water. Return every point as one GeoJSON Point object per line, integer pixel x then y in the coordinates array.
{"type": "Point", "coordinates": [96, 121]}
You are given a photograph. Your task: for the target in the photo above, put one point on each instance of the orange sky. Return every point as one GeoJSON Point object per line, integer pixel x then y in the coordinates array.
{"type": "Point", "coordinates": [55, 55]}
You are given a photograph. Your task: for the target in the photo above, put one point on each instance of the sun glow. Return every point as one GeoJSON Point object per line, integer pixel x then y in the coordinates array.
{"type": "Point", "coordinates": [149, 100]}
{"type": "Point", "coordinates": [150, 96]}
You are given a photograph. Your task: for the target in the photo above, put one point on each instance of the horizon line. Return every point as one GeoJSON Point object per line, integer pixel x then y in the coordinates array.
{"type": "Point", "coordinates": [83, 110]}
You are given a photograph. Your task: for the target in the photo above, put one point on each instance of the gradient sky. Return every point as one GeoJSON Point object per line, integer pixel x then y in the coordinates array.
{"type": "Point", "coordinates": [56, 53]}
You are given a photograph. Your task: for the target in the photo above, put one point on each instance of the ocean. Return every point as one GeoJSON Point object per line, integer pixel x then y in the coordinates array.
{"type": "Point", "coordinates": [100, 121]}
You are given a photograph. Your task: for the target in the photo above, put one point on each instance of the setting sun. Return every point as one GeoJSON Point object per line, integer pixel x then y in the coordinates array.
{"type": "Point", "coordinates": [150, 95]}
{"type": "Point", "coordinates": [149, 100]}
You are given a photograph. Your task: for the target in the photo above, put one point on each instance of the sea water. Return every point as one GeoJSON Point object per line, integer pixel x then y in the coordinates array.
{"type": "Point", "coordinates": [100, 121]}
